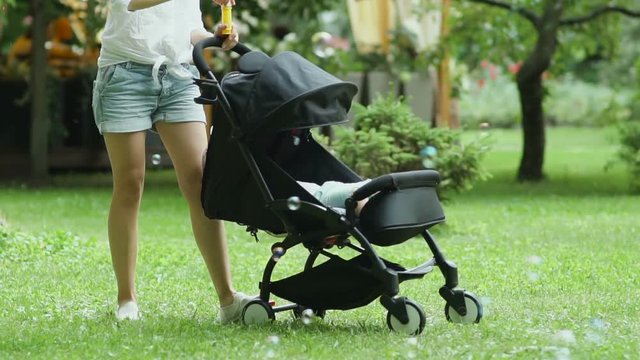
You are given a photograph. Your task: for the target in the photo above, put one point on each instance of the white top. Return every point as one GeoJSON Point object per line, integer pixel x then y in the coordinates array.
{"type": "Point", "coordinates": [157, 35]}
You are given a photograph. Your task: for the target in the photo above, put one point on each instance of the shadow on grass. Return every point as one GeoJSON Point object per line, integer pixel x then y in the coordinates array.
{"type": "Point", "coordinates": [96, 179]}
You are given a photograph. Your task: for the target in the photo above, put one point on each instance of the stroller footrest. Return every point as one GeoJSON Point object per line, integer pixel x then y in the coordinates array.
{"type": "Point", "coordinates": [418, 271]}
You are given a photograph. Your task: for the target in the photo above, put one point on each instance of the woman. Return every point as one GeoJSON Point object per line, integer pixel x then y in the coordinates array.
{"type": "Point", "coordinates": [145, 82]}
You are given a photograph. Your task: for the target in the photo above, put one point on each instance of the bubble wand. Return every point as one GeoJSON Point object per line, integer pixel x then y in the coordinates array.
{"type": "Point", "coordinates": [227, 18]}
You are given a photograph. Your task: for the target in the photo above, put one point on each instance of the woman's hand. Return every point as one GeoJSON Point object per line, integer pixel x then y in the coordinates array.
{"type": "Point", "coordinates": [231, 39]}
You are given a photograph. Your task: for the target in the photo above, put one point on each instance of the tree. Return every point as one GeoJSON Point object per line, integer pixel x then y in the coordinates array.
{"type": "Point", "coordinates": [40, 122]}
{"type": "Point", "coordinates": [548, 18]}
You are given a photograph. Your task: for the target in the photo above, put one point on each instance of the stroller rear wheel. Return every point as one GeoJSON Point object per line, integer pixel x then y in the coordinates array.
{"type": "Point", "coordinates": [257, 312]}
{"type": "Point", "coordinates": [301, 311]}
{"type": "Point", "coordinates": [414, 326]}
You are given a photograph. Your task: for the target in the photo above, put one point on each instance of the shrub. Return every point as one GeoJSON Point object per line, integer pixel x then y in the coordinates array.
{"type": "Point", "coordinates": [630, 151]}
{"type": "Point", "coordinates": [388, 137]}
{"type": "Point", "coordinates": [630, 140]}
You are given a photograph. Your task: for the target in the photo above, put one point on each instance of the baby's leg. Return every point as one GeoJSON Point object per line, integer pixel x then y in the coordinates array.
{"type": "Point", "coordinates": [334, 193]}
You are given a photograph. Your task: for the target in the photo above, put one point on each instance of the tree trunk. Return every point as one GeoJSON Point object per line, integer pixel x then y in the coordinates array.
{"type": "Point", "coordinates": [39, 104]}
{"type": "Point", "coordinates": [531, 93]}
{"type": "Point", "coordinates": [531, 98]}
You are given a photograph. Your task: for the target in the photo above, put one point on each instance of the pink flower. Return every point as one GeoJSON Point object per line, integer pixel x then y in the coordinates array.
{"type": "Point", "coordinates": [515, 67]}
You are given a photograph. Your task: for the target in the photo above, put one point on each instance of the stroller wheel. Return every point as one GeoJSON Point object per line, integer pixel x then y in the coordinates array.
{"type": "Point", "coordinates": [417, 320]}
{"type": "Point", "coordinates": [474, 311]}
{"type": "Point", "coordinates": [300, 311]}
{"type": "Point", "coordinates": [257, 312]}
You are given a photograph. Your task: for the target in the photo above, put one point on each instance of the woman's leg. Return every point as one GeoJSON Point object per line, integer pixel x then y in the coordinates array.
{"type": "Point", "coordinates": [185, 142]}
{"type": "Point", "coordinates": [127, 157]}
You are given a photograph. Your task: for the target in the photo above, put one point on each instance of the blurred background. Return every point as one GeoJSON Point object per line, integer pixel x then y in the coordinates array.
{"type": "Point", "coordinates": [467, 65]}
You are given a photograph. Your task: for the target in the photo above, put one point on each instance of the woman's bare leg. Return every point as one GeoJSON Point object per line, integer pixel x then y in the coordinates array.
{"type": "Point", "coordinates": [185, 142]}
{"type": "Point", "coordinates": [127, 157]}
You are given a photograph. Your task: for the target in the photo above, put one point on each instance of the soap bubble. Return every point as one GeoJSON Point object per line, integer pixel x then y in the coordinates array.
{"type": "Point", "coordinates": [534, 259]}
{"type": "Point", "coordinates": [429, 151]}
{"type": "Point", "coordinates": [307, 316]}
{"type": "Point", "coordinates": [156, 159]}
{"type": "Point", "coordinates": [293, 203]}
{"type": "Point", "coordinates": [321, 42]}
{"type": "Point", "coordinates": [428, 163]}
{"type": "Point", "coordinates": [484, 126]}
{"type": "Point", "coordinates": [565, 336]}
{"type": "Point", "coordinates": [277, 253]}
{"type": "Point", "coordinates": [599, 324]}
{"type": "Point", "coordinates": [428, 154]}
{"type": "Point", "coordinates": [273, 339]}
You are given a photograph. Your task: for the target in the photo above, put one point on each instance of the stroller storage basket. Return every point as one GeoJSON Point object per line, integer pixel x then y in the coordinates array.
{"type": "Point", "coordinates": [335, 284]}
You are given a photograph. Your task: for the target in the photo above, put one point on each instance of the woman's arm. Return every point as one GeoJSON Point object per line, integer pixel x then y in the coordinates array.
{"type": "Point", "coordinates": [199, 34]}
{"type": "Point", "coordinates": [143, 4]}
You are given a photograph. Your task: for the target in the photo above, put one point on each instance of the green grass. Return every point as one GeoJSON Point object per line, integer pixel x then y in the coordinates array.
{"type": "Point", "coordinates": [555, 264]}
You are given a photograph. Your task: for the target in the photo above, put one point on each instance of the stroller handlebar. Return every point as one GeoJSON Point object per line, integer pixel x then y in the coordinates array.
{"type": "Point", "coordinates": [215, 41]}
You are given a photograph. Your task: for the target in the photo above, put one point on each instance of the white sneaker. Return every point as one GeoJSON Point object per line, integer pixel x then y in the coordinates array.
{"type": "Point", "coordinates": [128, 311]}
{"type": "Point", "coordinates": [233, 312]}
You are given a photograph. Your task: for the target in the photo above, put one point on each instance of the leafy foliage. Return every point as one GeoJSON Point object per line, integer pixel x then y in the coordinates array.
{"type": "Point", "coordinates": [630, 142]}
{"type": "Point", "coordinates": [388, 137]}
{"type": "Point", "coordinates": [485, 32]}
{"type": "Point", "coordinates": [630, 152]}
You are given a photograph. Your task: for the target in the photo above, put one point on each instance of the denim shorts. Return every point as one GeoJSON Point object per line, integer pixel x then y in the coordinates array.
{"type": "Point", "coordinates": [126, 98]}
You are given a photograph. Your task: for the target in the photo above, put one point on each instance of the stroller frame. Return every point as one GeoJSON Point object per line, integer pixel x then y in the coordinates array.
{"type": "Point", "coordinates": [404, 315]}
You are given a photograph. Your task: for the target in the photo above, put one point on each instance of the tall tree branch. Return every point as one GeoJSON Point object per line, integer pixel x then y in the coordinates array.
{"type": "Point", "coordinates": [598, 12]}
{"type": "Point", "coordinates": [526, 13]}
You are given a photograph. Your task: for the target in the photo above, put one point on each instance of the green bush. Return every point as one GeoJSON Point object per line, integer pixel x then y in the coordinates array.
{"type": "Point", "coordinates": [389, 137]}
{"type": "Point", "coordinates": [630, 140]}
{"type": "Point", "coordinates": [630, 151]}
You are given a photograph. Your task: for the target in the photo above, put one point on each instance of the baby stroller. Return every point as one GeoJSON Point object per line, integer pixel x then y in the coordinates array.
{"type": "Point", "coordinates": [261, 146]}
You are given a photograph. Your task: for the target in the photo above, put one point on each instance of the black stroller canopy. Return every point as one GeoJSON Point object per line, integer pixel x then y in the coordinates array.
{"type": "Point", "coordinates": [285, 92]}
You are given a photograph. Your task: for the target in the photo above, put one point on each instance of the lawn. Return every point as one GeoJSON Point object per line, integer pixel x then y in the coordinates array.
{"type": "Point", "coordinates": [554, 263]}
